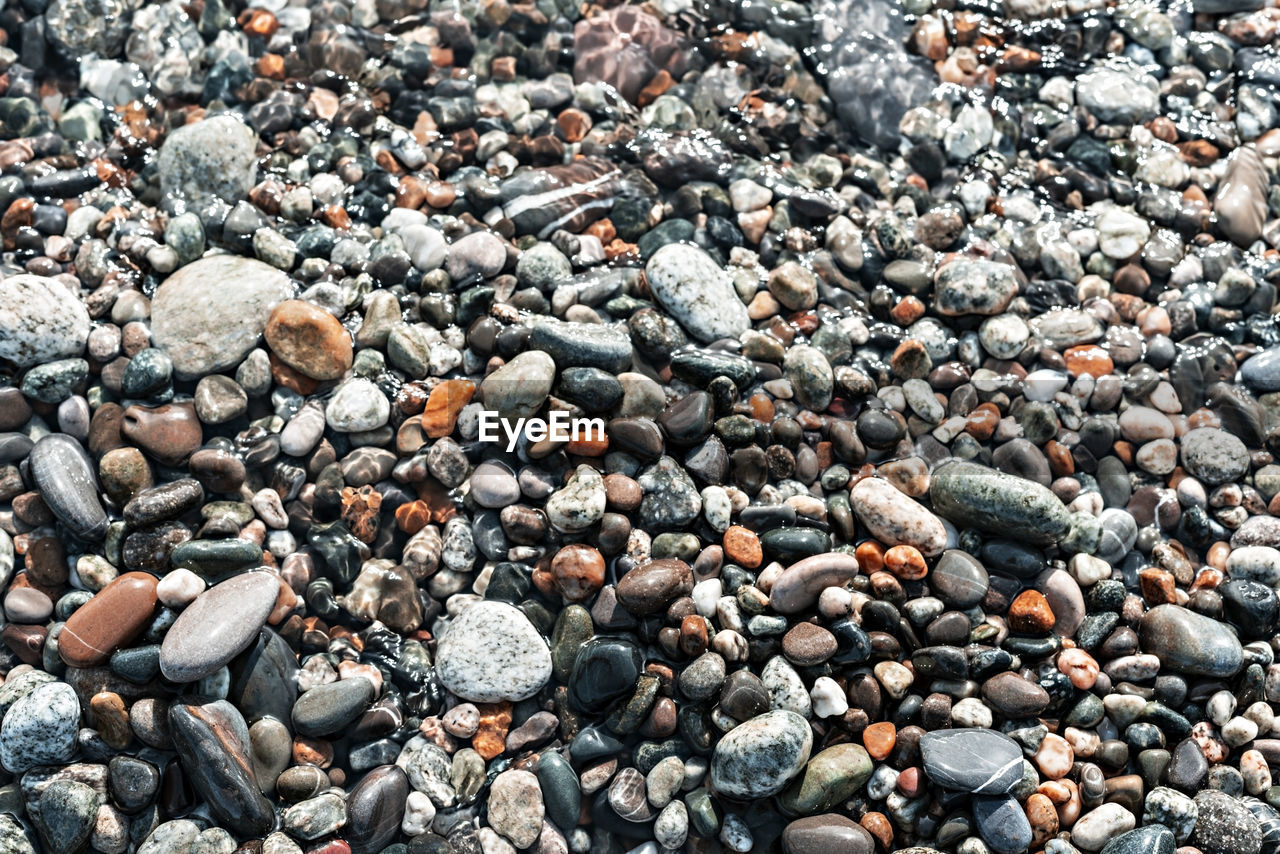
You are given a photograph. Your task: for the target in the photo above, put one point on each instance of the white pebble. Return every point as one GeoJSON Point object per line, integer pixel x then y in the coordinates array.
{"type": "Point", "coordinates": [419, 812]}
{"type": "Point", "coordinates": [828, 698]}
{"type": "Point", "coordinates": [971, 712]}
{"type": "Point", "coordinates": [179, 588]}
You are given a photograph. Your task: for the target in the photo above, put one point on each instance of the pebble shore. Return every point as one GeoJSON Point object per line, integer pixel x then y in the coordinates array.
{"type": "Point", "coordinates": [934, 506]}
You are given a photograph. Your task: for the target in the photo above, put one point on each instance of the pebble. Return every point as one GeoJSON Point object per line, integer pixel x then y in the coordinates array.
{"type": "Point", "coordinates": [759, 757]}
{"type": "Point", "coordinates": [1188, 642]}
{"type": "Point", "coordinates": [217, 626]}
{"type": "Point", "coordinates": [215, 158]}
{"type": "Point", "coordinates": [697, 292]}
{"type": "Point", "coordinates": [894, 519]}
{"type": "Point", "coordinates": [63, 472]}
{"type": "Point", "coordinates": [491, 653]}
{"type": "Point", "coordinates": [204, 332]}
{"type": "Point", "coordinates": [40, 728]}
{"type": "Point", "coordinates": [41, 320]}
{"type": "Point", "coordinates": [977, 761]}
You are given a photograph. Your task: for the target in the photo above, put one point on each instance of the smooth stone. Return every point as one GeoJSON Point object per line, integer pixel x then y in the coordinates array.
{"type": "Point", "coordinates": [974, 287]}
{"type": "Point", "coordinates": [1013, 696]}
{"type": "Point", "coordinates": [213, 746]}
{"type": "Point", "coordinates": [561, 792]}
{"type": "Point", "coordinates": [757, 759]}
{"type": "Point", "coordinates": [112, 619]}
{"type": "Point", "coordinates": [827, 834]}
{"type": "Point", "coordinates": [309, 339]}
{"type": "Point", "coordinates": [357, 407]}
{"type": "Point", "coordinates": [1002, 823]}
{"type": "Point", "coordinates": [969, 494]}
{"type": "Point", "coordinates": [583, 345]}
{"type": "Point", "coordinates": [693, 289]}
{"type": "Point", "coordinates": [326, 709]}
{"type": "Point", "coordinates": [264, 680]}
{"type": "Point", "coordinates": [41, 321]}
{"type": "Point", "coordinates": [515, 807]}
{"type": "Point", "coordinates": [1224, 825]}
{"type": "Point", "coordinates": [375, 809]}
{"type": "Point", "coordinates": [491, 652]}
{"type": "Point", "coordinates": [1115, 96]}
{"type": "Point", "coordinates": [1151, 839]}
{"type": "Point", "coordinates": [169, 433]}
{"type": "Point", "coordinates": [894, 518]}
{"type": "Point", "coordinates": [67, 814]}
{"type": "Point", "coordinates": [210, 314]}
{"type": "Point", "coordinates": [218, 626]}
{"type": "Point", "coordinates": [212, 559]}
{"type": "Point", "coordinates": [832, 776]}
{"type": "Point", "coordinates": [650, 588]}
{"type": "Point", "coordinates": [212, 158]}
{"type": "Point", "coordinates": [959, 579]}
{"type": "Point", "coordinates": [974, 760]}
{"type": "Point", "coordinates": [40, 728]}
{"type": "Point", "coordinates": [1241, 200]}
{"type": "Point", "coordinates": [520, 387]}
{"type": "Point", "coordinates": [604, 671]}
{"type": "Point", "coordinates": [1096, 827]}
{"type": "Point", "coordinates": [64, 475]}
{"type": "Point", "coordinates": [1261, 372]}
{"type": "Point", "coordinates": [1190, 643]}
{"type": "Point", "coordinates": [1214, 456]}
{"type": "Point", "coordinates": [799, 585]}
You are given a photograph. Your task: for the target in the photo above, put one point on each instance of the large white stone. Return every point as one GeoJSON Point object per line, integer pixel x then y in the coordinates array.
{"type": "Point", "coordinates": [40, 321]}
{"type": "Point", "coordinates": [491, 653]}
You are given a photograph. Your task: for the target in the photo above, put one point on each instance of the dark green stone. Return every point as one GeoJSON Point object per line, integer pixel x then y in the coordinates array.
{"type": "Point", "coordinates": [789, 545]}
{"type": "Point", "coordinates": [604, 671]}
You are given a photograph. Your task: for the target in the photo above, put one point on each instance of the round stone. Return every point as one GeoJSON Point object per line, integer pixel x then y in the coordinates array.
{"type": "Point", "coordinates": [491, 652]}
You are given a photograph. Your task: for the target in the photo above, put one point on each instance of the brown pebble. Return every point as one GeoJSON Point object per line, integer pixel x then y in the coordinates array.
{"type": "Point", "coordinates": [108, 621]}
{"type": "Point", "coordinates": [309, 340]}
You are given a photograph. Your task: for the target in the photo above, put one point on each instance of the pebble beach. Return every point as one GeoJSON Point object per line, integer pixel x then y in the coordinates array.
{"type": "Point", "coordinates": [481, 427]}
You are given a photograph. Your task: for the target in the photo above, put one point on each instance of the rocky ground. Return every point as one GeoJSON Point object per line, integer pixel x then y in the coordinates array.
{"type": "Point", "coordinates": [936, 508]}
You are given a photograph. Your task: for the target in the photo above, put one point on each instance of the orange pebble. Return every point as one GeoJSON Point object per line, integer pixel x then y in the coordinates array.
{"type": "Point", "coordinates": [906, 562]}
{"type": "Point", "coordinates": [879, 739]}
{"type": "Point", "coordinates": [742, 546]}
{"type": "Point", "coordinates": [870, 555]}
{"type": "Point", "coordinates": [879, 826]}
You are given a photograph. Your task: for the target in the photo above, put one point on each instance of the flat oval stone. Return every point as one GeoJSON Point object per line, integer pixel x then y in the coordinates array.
{"type": "Point", "coordinates": [583, 344]}
{"type": "Point", "coordinates": [894, 518]}
{"type": "Point", "coordinates": [1190, 643]}
{"type": "Point", "coordinates": [326, 709]}
{"type": "Point", "coordinates": [650, 588]}
{"type": "Point", "coordinates": [491, 653]}
{"type": "Point", "coordinates": [112, 619]}
{"type": "Point", "coordinates": [973, 495]}
{"type": "Point", "coordinates": [758, 758]}
{"type": "Point", "coordinates": [217, 626]}
{"type": "Point", "coordinates": [64, 475]}
{"type": "Point", "coordinates": [799, 585]}
{"type": "Point", "coordinates": [212, 741]}
{"type": "Point", "coordinates": [823, 834]}
{"type": "Point", "coordinates": [210, 313]}
{"type": "Point", "coordinates": [974, 760]}
{"type": "Point", "coordinates": [375, 808]}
